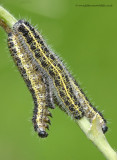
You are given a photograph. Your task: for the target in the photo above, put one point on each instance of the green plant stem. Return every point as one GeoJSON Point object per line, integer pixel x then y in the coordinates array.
{"type": "Point", "coordinates": [92, 130]}
{"type": "Point", "coordinates": [6, 17]}
{"type": "Point", "coordinates": [95, 134]}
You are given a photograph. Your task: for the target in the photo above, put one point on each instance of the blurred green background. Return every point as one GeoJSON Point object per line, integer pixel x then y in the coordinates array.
{"type": "Point", "coordinates": [86, 38]}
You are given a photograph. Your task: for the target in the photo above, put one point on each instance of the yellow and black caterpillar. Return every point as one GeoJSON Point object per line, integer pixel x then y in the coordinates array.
{"type": "Point", "coordinates": [55, 78]}
{"type": "Point", "coordinates": [36, 82]}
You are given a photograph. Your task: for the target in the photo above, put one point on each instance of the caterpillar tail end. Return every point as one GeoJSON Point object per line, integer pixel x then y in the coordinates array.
{"type": "Point", "coordinates": [42, 134]}
{"type": "Point", "coordinates": [104, 129]}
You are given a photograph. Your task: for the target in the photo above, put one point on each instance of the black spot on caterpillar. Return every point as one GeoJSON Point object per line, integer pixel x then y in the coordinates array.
{"type": "Point", "coordinates": [51, 64]}
{"type": "Point", "coordinates": [36, 82]}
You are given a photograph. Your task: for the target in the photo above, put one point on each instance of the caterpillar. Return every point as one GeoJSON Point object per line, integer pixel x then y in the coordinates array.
{"type": "Point", "coordinates": [36, 82]}
{"type": "Point", "coordinates": [33, 42]}
{"type": "Point", "coordinates": [66, 90]}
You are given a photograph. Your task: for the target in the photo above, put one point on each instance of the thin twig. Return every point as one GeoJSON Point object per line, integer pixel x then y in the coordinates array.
{"type": "Point", "coordinates": [6, 19]}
